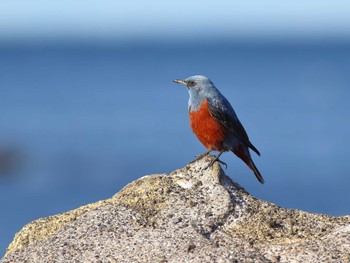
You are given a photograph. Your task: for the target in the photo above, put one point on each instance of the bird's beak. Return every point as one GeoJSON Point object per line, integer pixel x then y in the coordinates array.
{"type": "Point", "coordinates": [180, 81]}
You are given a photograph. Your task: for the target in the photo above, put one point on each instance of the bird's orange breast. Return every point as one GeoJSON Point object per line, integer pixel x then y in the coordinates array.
{"type": "Point", "coordinates": [208, 130]}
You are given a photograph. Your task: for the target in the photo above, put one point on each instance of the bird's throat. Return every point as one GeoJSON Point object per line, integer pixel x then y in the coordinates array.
{"type": "Point", "coordinates": [194, 104]}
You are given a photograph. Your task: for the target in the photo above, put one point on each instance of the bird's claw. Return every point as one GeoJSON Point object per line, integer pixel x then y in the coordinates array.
{"type": "Point", "coordinates": [223, 163]}
{"type": "Point", "coordinates": [213, 161]}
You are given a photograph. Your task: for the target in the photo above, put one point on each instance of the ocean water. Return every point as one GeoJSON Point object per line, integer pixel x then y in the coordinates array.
{"type": "Point", "coordinates": [83, 121]}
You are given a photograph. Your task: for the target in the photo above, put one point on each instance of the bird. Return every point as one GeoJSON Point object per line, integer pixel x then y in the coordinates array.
{"type": "Point", "coordinates": [215, 123]}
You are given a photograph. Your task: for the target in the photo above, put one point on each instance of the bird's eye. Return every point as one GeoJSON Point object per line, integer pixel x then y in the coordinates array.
{"type": "Point", "coordinates": [191, 83]}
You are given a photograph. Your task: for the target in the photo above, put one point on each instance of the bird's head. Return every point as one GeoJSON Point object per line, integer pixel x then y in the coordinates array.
{"type": "Point", "coordinates": [199, 87]}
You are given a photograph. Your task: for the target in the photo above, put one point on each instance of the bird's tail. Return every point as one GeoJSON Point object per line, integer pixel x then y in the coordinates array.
{"type": "Point", "coordinates": [245, 156]}
{"type": "Point", "coordinates": [258, 175]}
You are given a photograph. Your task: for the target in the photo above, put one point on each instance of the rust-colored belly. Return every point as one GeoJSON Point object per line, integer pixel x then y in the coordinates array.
{"type": "Point", "coordinates": [208, 130]}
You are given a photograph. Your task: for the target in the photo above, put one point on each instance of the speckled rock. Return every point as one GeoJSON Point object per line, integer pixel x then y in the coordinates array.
{"type": "Point", "coordinates": [190, 215]}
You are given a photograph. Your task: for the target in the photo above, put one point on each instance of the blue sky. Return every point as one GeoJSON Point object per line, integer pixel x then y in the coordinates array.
{"type": "Point", "coordinates": [111, 19]}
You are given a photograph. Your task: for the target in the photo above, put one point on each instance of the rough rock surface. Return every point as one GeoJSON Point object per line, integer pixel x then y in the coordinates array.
{"type": "Point", "coordinates": [189, 215]}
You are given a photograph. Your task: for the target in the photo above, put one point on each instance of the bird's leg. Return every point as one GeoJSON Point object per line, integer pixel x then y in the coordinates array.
{"type": "Point", "coordinates": [217, 159]}
{"type": "Point", "coordinates": [202, 155]}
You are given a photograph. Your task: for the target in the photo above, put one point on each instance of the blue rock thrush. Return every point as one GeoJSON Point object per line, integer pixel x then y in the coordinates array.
{"type": "Point", "coordinates": [215, 123]}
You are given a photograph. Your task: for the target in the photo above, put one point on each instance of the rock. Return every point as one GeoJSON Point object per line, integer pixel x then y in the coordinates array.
{"type": "Point", "coordinates": [189, 215]}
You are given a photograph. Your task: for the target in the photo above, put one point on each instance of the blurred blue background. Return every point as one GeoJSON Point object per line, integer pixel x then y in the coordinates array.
{"type": "Point", "coordinates": [87, 102]}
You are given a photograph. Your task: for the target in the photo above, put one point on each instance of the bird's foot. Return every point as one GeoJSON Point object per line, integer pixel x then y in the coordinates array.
{"type": "Point", "coordinates": [216, 159]}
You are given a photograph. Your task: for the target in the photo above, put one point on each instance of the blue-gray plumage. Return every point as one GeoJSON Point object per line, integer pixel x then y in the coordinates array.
{"type": "Point", "coordinates": [215, 123]}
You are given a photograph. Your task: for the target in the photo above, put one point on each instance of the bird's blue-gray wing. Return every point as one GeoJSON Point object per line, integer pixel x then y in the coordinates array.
{"type": "Point", "coordinates": [224, 113]}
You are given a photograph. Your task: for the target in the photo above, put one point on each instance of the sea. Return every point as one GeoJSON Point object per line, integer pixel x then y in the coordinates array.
{"type": "Point", "coordinates": [80, 121]}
